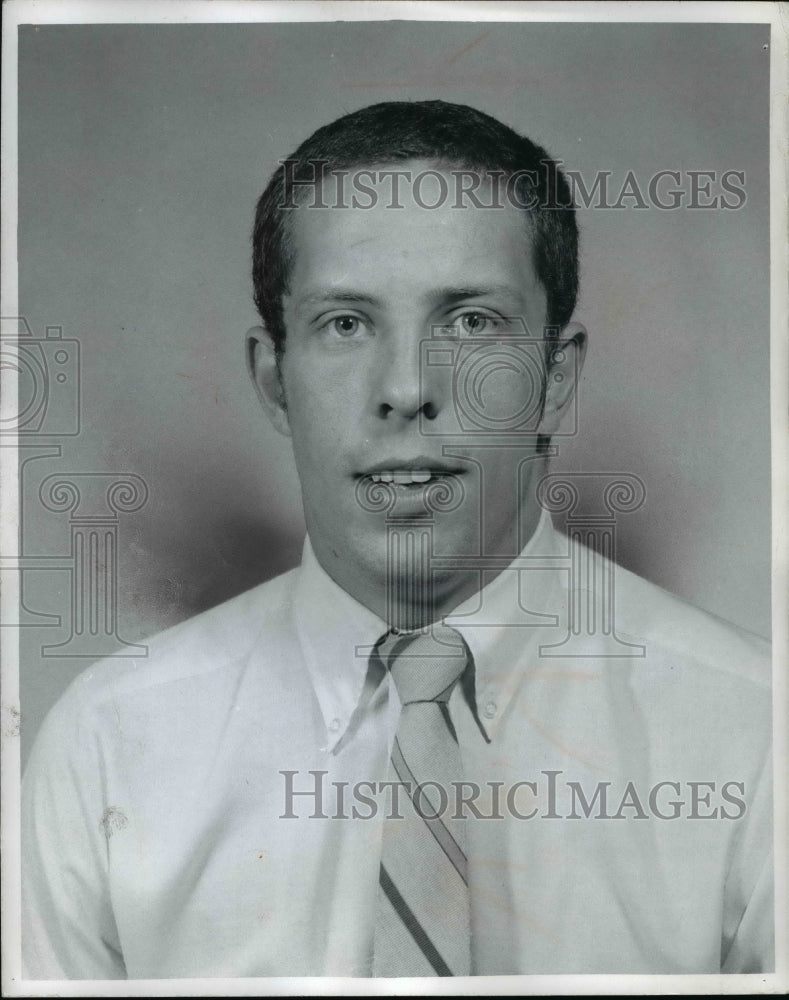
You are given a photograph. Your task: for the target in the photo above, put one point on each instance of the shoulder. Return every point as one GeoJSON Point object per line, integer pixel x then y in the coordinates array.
{"type": "Point", "coordinates": [701, 682]}
{"type": "Point", "coordinates": [675, 629]}
{"type": "Point", "coordinates": [195, 653]}
{"type": "Point", "coordinates": [671, 650]}
{"type": "Point", "coordinates": [686, 692]}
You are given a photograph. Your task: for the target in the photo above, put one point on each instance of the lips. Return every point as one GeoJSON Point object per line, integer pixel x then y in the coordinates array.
{"type": "Point", "coordinates": [402, 477]}
{"type": "Point", "coordinates": [419, 465]}
{"type": "Point", "coordinates": [410, 472]}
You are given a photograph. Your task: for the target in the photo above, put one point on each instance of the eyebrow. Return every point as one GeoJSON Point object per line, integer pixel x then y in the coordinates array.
{"type": "Point", "coordinates": [458, 294]}
{"type": "Point", "coordinates": [448, 294]}
{"type": "Point", "coordinates": [339, 295]}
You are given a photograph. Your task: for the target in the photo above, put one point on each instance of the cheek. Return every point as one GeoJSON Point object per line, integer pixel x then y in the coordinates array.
{"type": "Point", "coordinates": [512, 398]}
{"type": "Point", "coordinates": [323, 395]}
{"type": "Point", "coordinates": [500, 391]}
{"type": "Point", "coordinates": [307, 401]}
{"type": "Point", "coordinates": [318, 425]}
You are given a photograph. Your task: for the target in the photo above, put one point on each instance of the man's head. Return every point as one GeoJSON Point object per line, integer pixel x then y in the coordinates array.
{"type": "Point", "coordinates": [388, 317]}
{"type": "Point", "coordinates": [452, 135]}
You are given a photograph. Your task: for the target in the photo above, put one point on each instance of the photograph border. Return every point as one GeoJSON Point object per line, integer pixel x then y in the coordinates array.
{"type": "Point", "coordinates": [18, 12]}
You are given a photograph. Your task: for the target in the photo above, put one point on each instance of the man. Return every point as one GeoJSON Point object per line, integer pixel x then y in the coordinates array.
{"type": "Point", "coordinates": [438, 747]}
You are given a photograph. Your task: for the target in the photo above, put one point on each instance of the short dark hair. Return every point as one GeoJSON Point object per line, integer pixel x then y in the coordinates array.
{"type": "Point", "coordinates": [397, 131]}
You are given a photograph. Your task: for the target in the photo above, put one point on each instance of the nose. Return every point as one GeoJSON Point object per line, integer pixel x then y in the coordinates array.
{"type": "Point", "coordinates": [406, 389]}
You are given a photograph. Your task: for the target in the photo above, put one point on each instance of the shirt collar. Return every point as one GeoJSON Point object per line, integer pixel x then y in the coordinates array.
{"type": "Point", "coordinates": [502, 624]}
{"type": "Point", "coordinates": [337, 635]}
{"type": "Point", "coordinates": [506, 620]}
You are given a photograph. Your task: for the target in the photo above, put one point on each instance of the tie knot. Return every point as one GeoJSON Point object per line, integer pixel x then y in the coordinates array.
{"type": "Point", "coordinates": [425, 666]}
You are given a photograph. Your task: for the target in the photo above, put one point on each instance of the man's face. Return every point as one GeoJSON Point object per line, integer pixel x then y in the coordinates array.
{"type": "Point", "coordinates": [367, 292]}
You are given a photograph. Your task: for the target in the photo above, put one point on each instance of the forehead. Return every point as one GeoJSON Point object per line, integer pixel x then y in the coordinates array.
{"type": "Point", "coordinates": [411, 225]}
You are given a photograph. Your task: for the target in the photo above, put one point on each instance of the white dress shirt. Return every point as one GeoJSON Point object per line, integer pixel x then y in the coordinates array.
{"type": "Point", "coordinates": [153, 803]}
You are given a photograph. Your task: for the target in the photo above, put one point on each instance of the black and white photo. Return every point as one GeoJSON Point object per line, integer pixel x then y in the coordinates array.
{"type": "Point", "coordinates": [395, 578]}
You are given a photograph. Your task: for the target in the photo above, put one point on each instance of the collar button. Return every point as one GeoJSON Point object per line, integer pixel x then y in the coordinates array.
{"type": "Point", "coordinates": [490, 709]}
{"type": "Point", "coordinates": [334, 725]}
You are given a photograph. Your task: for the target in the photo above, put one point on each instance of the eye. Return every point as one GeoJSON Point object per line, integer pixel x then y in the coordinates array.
{"type": "Point", "coordinates": [344, 326]}
{"type": "Point", "coordinates": [477, 323]}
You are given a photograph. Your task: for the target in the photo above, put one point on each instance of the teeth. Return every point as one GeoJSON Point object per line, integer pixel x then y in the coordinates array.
{"type": "Point", "coordinates": [403, 477]}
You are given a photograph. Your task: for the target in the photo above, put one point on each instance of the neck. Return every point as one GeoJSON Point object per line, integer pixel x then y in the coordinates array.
{"type": "Point", "coordinates": [412, 594]}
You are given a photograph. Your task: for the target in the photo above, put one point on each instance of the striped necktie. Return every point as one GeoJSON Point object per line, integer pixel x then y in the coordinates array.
{"type": "Point", "coordinates": [422, 917]}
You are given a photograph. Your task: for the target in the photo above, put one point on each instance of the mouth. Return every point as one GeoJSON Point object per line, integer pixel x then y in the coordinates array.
{"type": "Point", "coordinates": [417, 488]}
{"type": "Point", "coordinates": [404, 477]}
{"type": "Point", "coordinates": [414, 473]}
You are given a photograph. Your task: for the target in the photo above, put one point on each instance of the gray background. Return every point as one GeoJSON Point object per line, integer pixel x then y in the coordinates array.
{"type": "Point", "coordinates": [142, 152]}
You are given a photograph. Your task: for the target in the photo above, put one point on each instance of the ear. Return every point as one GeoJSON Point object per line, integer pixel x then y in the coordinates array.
{"type": "Point", "coordinates": [565, 362]}
{"type": "Point", "coordinates": [264, 370]}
